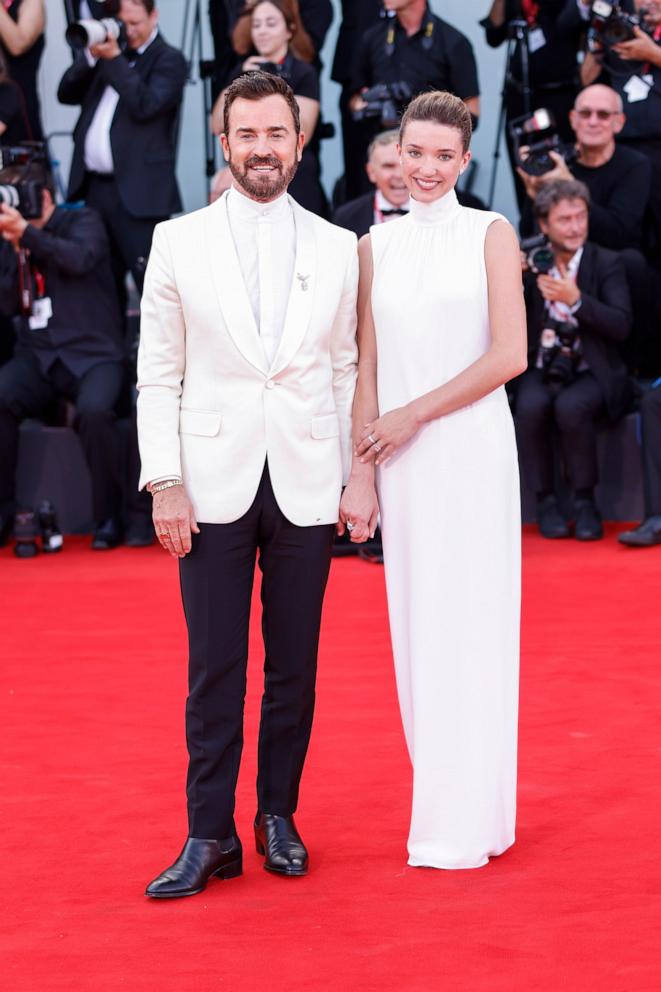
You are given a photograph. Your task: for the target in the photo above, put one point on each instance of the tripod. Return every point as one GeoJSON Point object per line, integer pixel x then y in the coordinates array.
{"type": "Point", "coordinates": [192, 45]}
{"type": "Point", "coordinates": [517, 38]}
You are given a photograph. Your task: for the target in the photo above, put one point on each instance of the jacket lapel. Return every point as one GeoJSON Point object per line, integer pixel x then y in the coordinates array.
{"type": "Point", "coordinates": [302, 291]}
{"type": "Point", "coordinates": [230, 287]}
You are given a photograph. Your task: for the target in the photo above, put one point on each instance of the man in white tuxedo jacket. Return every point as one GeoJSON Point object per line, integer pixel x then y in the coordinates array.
{"type": "Point", "coordinates": [246, 375]}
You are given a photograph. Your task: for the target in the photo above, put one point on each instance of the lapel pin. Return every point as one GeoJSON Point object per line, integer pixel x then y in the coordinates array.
{"type": "Point", "coordinates": [303, 281]}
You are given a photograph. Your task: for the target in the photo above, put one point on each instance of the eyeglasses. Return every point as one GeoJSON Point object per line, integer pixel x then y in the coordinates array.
{"type": "Point", "coordinates": [585, 113]}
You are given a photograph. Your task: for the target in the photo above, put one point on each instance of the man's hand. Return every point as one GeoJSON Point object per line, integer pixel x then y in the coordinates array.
{"type": "Point", "coordinates": [356, 102]}
{"type": "Point", "coordinates": [107, 50]}
{"type": "Point", "coordinates": [12, 224]}
{"type": "Point", "coordinates": [386, 434]}
{"type": "Point", "coordinates": [563, 290]}
{"type": "Point", "coordinates": [642, 48]}
{"type": "Point", "coordinates": [359, 506]}
{"type": "Point", "coordinates": [533, 184]}
{"type": "Point", "coordinates": [174, 520]}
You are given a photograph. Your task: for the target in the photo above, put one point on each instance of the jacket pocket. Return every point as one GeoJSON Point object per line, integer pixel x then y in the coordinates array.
{"type": "Point", "coordinates": [323, 427]}
{"type": "Point", "coordinates": [203, 422]}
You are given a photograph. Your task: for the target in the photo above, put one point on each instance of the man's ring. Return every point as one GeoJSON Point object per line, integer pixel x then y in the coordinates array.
{"type": "Point", "coordinates": [350, 526]}
{"type": "Point", "coordinates": [377, 447]}
{"type": "Point", "coordinates": [371, 439]}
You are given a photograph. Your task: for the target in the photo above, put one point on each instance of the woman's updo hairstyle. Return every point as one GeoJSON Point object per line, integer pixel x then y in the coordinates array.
{"type": "Point", "coordinates": [439, 107]}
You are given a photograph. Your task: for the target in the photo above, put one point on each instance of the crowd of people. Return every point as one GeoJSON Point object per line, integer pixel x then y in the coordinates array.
{"type": "Point", "coordinates": [587, 175]}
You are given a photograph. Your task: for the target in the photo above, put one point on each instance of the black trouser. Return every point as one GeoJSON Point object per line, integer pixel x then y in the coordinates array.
{"type": "Point", "coordinates": [574, 410]}
{"type": "Point", "coordinates": [650, 409]}
{"type": "Point", "coordinates": [26, 391]}
{"type": "Point", "coordinates": [130, 237]}
{"type": "Point", "coordinates": [216, 584]}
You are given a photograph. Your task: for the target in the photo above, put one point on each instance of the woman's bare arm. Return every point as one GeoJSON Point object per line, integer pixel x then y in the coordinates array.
{"type": "Point", "coordinates": [20, 35]}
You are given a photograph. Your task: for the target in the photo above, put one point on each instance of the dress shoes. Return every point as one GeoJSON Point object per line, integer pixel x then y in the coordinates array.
{"type": "Point", "coordinates": [550, 521]}
{"type": "Point", "coordinates": [588, 526]}
{"type": "Point", "coordinates": [644, 536]}
{"type": "Point", "coordinates": [107, 535]}
{"type": "Point", "coordinates": [199, 860]}
{"type": "Point", "coordinates": [277, 838]}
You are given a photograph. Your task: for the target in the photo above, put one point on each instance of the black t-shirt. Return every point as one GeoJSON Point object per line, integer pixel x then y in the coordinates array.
{"type": "Point", "coordinates": [11, 114]}
{"type": "Point", "coordinates": [437, 57]}
{"type": "Point", "coordinates": [633, 80]}
{"type": "Point", "coordinates": [554, 61]}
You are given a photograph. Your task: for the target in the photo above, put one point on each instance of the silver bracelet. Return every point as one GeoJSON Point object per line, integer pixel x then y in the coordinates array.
{"type": "Point", "coordinates": [160, 486]}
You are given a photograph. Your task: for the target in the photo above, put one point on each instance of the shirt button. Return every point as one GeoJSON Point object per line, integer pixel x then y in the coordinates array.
{"type": "Point", "coordinates": [269, 384]}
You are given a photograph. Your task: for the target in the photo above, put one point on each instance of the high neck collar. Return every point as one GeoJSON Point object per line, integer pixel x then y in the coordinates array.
{"type": "Point", "coordinates": [437, 212]}
{"type": "Point", "coordinates": [249, 209]}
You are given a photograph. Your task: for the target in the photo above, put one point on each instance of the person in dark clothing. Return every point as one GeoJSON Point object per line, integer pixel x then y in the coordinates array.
{"type": "Point", "coordinates": [633, 69]}
{"type": "Point", "coordinates": [14, 126]}
{"type": "Point", "coordinates": [649, 531]}
{"type": "Point", "coordinates": [619, 180]}
{"type": "Point", "coordinates": [56, 281]}
{"type": "Point", "coordinates": [577, 314]}
{"type": "Point", "coordinates": [124, 142]}
{"type": "Point", "coordinates": [415, 47]}
{"type": "Point", "coordinates": [315, 16]}
{"type": "Point", "coordinates": [553, 37]}
{"type": "Point", "coordinates": [22, 41]}
{"type": "Point", "coordinates": [357, 17]}
{"type": "Point", "coordinates": [273, 33]}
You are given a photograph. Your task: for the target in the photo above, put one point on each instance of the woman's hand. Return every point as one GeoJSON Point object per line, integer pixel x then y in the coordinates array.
{"type": "Point", "coordinates": [359, 507]}
{"type": "Point", "coordinates": [253, 62]}
{"type": "Point", "coordinates": [386, 434]}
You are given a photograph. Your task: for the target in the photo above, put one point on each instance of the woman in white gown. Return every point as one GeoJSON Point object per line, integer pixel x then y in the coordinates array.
{"type": "Point", "coordinates": [442, 328]}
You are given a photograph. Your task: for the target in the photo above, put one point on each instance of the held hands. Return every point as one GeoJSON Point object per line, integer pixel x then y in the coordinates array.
{"type": "Point", "coordinates": [386, 434]}
{"type": "Point", "coordinates": [563, 290]}
{"type": "Point", "coordinates": [359, 507]}
{"type": "Point", "coordinates": [12, 224]}
{"type": "Point", "coordinates": [174, 520]}
{"type": "Point", "coordinates": [642, 48]}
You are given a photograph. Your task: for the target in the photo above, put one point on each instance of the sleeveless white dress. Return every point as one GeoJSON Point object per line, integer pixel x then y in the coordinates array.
{"type": "Point", "coordinates": [451, 524]}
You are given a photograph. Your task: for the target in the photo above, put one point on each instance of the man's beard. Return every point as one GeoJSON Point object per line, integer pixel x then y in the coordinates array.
{"type": "Point", "coordinates": [270, 185]}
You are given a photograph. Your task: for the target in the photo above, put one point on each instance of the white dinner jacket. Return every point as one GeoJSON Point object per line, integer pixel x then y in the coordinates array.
{"type": "Point", "coordinates": [210, 409]}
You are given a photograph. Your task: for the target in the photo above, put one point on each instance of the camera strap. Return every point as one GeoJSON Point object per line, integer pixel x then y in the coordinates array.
{"type": "Point", "coordinates": [25, 281]}
{"type": "Point", "coordinates": [427, 41]}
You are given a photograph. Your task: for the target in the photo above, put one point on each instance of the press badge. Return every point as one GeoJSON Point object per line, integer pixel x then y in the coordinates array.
{"type": "Point", "coordinates": [42, 311]}
{"type": "Point", "coordinates": [638, 88]}
{"type": "Point", "coordinates": [536, 40]}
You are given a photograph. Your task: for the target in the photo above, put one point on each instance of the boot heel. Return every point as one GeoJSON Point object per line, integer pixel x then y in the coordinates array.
{"type": "Point", "coordinates": [232, 870]}
{"type": "Point", "coordinates": [260, 847]}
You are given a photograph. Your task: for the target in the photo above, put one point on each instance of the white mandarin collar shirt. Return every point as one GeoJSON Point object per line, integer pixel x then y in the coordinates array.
{"type": "Point", "coordinates": [98, 151]}
{"type": "Point", "coordinates": [264, 235]}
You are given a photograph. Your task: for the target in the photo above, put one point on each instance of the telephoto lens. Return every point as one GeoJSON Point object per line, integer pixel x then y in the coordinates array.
{"type": "Point", "coordinates": [51, 535]}
{"type": "Point", "coordinates": [26, 532]}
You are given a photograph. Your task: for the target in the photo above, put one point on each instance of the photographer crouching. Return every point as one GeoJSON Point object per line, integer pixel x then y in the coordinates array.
{"type": "Point", "coordinates": [578, 310]}
{"type": "Point", "coordinates": [56, 282]}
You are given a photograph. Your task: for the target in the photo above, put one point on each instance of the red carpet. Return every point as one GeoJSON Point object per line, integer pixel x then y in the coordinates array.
{"type": "Point", "coordinates": [93, 760]}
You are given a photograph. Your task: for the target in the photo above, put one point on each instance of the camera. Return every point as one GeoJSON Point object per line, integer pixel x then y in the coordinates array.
{"type": "Point", "coordinates": [539, 254]}
{"type": "Point", "coordinates": [561, 351]}
{"type": "Point", "coordinates": [386, 101]}
{"type": "Point", "coordinates": [610, 25]}
{"type": "Point", "coordinates": [85, 34]}
{"type": "Point", "coordinates": [23, 193]}
{"type": "Point", "coordinates": [538, 132]}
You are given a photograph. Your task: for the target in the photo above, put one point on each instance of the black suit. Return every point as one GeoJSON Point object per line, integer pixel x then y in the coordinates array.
{"type": "Point", "coordinates": [143, 188]}
{"type": "Point", "coordinates": [604, 322]}
{"type": "Point", "coordinates": [79, 354]}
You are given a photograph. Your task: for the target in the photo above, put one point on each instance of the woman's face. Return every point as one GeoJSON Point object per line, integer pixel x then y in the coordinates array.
{"type": "Point", "coordinates": [270, 34]}
{"type": "Point", "coordinates": [432, 156]}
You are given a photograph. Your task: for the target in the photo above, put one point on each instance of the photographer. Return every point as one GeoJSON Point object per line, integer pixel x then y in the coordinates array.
{"type": "Point", "coordinates": [649, 531]}
{"type": "Point", "coordinates": [552, 36]}
{"type": "Point", "coordinates": [22, 40]}
{"type": "Point", "coordinates": [56, 281]}
{"type": "Point", "coordinates": [633, 69]}
{"type": "Point", "coordinates": [578, 313]}
{"type": "Point", "coordinates": [272, 30]}
{"type": "Point", "coordinates": [409, 52]}
{"type": "Point", "coordinates": [124, 143]}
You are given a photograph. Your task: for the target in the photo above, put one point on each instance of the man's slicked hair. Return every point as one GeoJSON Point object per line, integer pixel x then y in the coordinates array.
{"type": "Point", "coordinates": [257, 86]}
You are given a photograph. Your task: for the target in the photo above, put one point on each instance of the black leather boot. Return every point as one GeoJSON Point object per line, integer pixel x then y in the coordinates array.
{"type": "Point", "coordinates": [277, 838]}
{"type": "Point", "coordinates": [199, 860]}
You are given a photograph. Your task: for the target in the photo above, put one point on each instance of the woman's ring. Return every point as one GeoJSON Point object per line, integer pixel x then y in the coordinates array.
{"type": "Point", "coordinates": [371, 439]}
{"type": "Point", "coordinates": [377, 448]}
{"type": "Point", "coordinates": [350, 526]}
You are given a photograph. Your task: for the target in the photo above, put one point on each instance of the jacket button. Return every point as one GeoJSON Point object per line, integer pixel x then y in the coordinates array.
{"type": "Point", "coordinates": [269, 384]}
